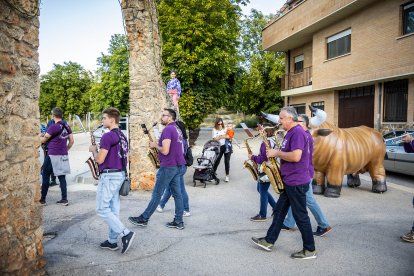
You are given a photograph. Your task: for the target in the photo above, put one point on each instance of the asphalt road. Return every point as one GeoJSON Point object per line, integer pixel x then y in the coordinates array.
{"type": "Point", "coordinates": [217, 238]}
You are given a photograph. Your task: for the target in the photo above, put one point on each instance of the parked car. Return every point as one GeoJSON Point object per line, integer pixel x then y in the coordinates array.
{"type": "Point", "coordinates": [123, 125]}
{"type": "Point", "coordinates": [396, 159]}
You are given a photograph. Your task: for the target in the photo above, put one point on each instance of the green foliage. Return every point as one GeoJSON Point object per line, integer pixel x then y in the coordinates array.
{"type": "Point", "coordinates": [251, 123]}
{"type": "Point", "coordinates": [112, 77]}
{"type": "Point", "coordinates": [65, 86]}
{"type": "Point", "coordinates": [199, 41]}
{"type": "Point", "coordinates": [258, 80]}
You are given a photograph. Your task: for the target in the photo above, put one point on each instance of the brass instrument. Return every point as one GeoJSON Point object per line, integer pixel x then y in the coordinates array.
{"type": "Point", "coordinates": [272, 167]}
{"type": "Point", "coordinates": [93, 166]}
{"type": "Point", "coordinates": [250, 164]}
{"type": "Point", "coordinates": [152, 152]}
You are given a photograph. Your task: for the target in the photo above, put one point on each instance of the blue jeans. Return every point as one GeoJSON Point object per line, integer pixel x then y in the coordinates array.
{"type": "Point", "coordinates": [108, 203]}
{"type": "Point", "coordinates": [313, 207]}
{"type": "Point", "coordinates": [167, 192]}
{"type": "Point", "coordinates": [47, 171]}
{"type": "Point", "coordinates": [166, 177]}
{"type": "Point", "coordinates": [294, 196]}
{"type": "Point", "coordinates": [265, 198]}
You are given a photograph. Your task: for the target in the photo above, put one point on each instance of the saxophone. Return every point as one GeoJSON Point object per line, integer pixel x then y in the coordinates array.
{"type": "Point", "coordinates": [93, 166]}
{"type": "Point", "coordinates": [272, 168]}
{"type": "Point", "coordinates": [152, 153]}
{"type": "Point", "coordinates": [250, 164]}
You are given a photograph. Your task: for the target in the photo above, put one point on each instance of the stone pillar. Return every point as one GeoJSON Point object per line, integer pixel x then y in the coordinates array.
{"type": "Point", "coordinates": [21, 234]}
{"type": "Point", "coordinates": [147, 95]}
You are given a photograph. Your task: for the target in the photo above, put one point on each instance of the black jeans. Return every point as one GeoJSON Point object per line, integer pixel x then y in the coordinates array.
{"type": "Point", "coordinates": [226, 160]}
{"type": "Point", "coordinates": [47, 171]}
{"type": "Point", "coordinates": [295, 197]}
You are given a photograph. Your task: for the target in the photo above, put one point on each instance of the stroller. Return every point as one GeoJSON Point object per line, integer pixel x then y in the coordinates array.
{"type": "Point", "coordinates": [204, 171]}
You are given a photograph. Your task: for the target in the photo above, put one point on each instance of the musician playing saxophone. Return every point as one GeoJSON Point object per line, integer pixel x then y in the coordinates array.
{"type": "Point", "coordinates": [263, 183]}
{"type": "Point", "coordinates": [111, 177]}
{"type": "Point", "coordinates": [294, 155]}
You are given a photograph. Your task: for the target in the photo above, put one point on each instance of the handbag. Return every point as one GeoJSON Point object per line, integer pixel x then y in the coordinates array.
{"type": "Point", "coordinates": [125, 187]}
{"type": "Point", "coordinates": [126, 184]}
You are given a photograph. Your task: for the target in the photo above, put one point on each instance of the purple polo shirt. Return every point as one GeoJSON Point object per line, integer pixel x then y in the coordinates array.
{"type": "Point", "coordinates": [176, 155]}
{"type": "Point", "coordinates": [310, 139]}
{"type": "Point", "coordinates": [295, 173]}
{"type": "Point", "coordinates": [409, 147]}
{"type": "Point", "coordinates": [59, 144]}
{"type": "Point", "coordinates": [110, 142]}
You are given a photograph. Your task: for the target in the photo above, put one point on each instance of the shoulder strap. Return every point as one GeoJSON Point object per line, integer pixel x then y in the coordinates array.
{"type": "Point", "coordinates": [60, 132]}
{"type": "Point", "coordinates": [121, 149]}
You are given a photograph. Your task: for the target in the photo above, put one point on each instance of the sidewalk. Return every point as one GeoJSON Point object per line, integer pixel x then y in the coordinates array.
{"type": "Point", "coordinates": [216, 240]}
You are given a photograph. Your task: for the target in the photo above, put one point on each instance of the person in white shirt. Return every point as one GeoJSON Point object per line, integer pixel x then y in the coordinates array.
{"type": "Point", "coordinates": [219, 134]}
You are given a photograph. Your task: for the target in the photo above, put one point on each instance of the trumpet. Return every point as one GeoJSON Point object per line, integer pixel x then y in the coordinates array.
{"type": "Point", "coordinates": [272, 167]}
{"type": "Point", "coordinates": [250, 164]}
{"type": "Point", "coordinates": [152, 152]}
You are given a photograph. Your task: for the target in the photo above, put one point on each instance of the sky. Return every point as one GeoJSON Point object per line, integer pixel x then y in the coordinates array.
{"type": "Point", "coordinates": [80, 30]}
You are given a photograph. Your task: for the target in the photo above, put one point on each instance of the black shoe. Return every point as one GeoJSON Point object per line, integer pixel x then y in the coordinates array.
{"type": "Point", "coordinates": [42, 202]}
{"type": "Point", "coordinates": [258, 218]}
{"type": "Point", "coordinates": [52, 183]}
{"type": "Point", "coordinates": [139, 221]}
{"type": "Point", "coordinates": [127, 241]}
{"type": "Point", "coordinates": [174, 224]}
{"type": "Point", "coordinates": [63, 202]}
{"type": "Point", "coordinates": [284, 227]}
{"type": "Point", "coordinates": [107, 245]}
{"type": "Point", "coordinates": [322, 231]}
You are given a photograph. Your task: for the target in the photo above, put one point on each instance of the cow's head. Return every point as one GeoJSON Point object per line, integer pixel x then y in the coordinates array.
{"type": "Point", "coordinates": [316, 121]}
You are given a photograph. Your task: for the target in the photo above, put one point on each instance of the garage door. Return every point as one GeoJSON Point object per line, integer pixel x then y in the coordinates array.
{"type": "Point", "coordinates": [356, 107]}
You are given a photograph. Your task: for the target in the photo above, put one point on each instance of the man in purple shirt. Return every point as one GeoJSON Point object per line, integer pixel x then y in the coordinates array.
{"type": "Point", "coordinates": [112, 161]}
{"type": "Point", "coordinates": [294, 167]}
{"type": "Point", "coordinates": [172, 164]}
{"type": "Point", "coordinates": [56, 161]}
{"type": "Point", "coordinates": [263, 183]}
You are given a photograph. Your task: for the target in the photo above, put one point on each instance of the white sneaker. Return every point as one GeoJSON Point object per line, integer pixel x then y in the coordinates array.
{"type": "Point", "coordinates": [227, 178]}
{"type": "Point", "coordinates": [186, 214]}
{"type": "Point", "coordinates": [159, 209]}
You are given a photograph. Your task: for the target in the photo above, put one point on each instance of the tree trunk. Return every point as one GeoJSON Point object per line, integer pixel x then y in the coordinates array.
{"type": "Point", "coordinates": [147, 94]}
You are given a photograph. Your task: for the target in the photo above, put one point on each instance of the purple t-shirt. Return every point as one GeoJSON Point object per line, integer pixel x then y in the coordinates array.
{"type": "Point", "coordinates": [59, 144]}
{"type": "Point", "coordinates": [310, 139]}
{"type": "Point", "coordinates": [110, 142]}
{"type": "Point", "coordinates": [409, 147]}
{"type": "Point", "coordinates": [176, 155]}
{"type": "Point", "coordinates": [295, 173]}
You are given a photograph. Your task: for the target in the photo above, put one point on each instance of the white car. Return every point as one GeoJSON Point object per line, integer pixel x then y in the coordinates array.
{"type": "Point", "coordinates": [396, 159]}
{"type": "Point", "coordinates": [123, 125]}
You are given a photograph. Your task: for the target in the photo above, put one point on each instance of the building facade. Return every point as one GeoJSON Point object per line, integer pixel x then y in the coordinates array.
{"type": "Point", "coordinates": [352, 58]}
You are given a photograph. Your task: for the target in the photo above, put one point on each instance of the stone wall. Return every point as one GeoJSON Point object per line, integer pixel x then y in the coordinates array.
{"type": "Point", "coordinates": [147, 95]}
{"type": "Point", "coordinates": [21, 234]}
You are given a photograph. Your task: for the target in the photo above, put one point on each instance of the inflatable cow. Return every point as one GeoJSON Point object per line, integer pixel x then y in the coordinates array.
{"type": "Point", "coordinates": [345, 151]}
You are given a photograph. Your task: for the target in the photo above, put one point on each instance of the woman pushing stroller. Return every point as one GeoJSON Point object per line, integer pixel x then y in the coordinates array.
{"type": "Point", "coordinates": [221, 134]}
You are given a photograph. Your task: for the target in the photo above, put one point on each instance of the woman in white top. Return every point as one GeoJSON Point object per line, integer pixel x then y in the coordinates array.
{"type": "Point", "coordinates": [219, 134]}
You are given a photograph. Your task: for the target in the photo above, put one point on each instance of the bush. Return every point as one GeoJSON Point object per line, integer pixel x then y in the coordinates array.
{"type": "Point", "coordinates": [251, 123]}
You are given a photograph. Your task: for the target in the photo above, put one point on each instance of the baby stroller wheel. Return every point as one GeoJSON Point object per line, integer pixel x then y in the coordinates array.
{"type": "Point", "coordinates": [217, 181]}
{"type": "Point", "coordinates": [194, 182]}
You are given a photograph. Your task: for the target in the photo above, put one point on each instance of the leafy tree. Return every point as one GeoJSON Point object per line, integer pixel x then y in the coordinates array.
{"type": "Point", "coordinates": [65, 86]}
{"type": "Point", "coordinates": [258, 80]}
{"type": "Point", "coordinates": [112, 77]}
{"type": "Point", "coordinates": [199, 41]}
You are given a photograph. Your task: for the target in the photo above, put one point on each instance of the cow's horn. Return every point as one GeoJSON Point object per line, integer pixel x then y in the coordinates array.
{"type": "Point", "coordinates": [319, 118]}
{"type": "Point", "coordinates": [271, 117]}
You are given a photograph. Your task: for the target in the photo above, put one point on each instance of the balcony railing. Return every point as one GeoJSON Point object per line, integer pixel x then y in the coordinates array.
{"type": "Point", "coordinates": [296, 80]}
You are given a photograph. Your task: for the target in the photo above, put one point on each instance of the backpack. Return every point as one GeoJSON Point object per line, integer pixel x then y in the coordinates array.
{"type": "Point", "coordinates": [188, 156]}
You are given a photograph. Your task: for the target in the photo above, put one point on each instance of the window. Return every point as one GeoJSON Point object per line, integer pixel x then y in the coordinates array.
{"type": "Point", "coordinates": [318, 105]}
{"type": "Point", "coordinates": [395, 101]}
{"type": "Point", "coordinates": [339, 44]}
{"type": "Point", "coordinates": [408, 18]}
{"type": "Point", "coordinates": [362, 91]}
{"type": "Point", "coordinates": [300, 108]}
{"type": "Point", "coordinates": [299, 64]}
